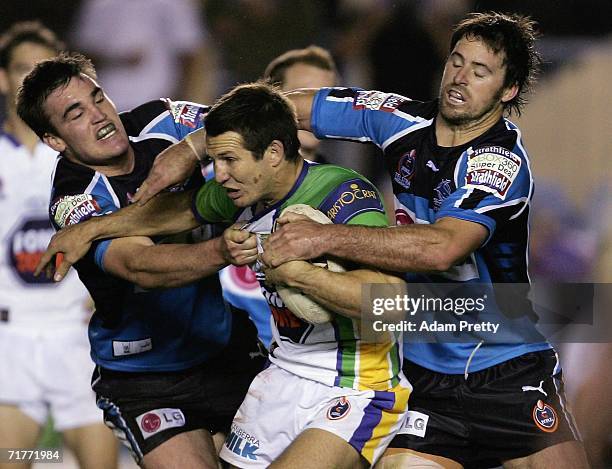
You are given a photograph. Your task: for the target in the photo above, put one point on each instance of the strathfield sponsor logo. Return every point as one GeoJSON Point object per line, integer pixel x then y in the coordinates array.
{"type": "Point", "coordinates": [545, 417]}
{"type": "Point", "coordinates": [339, 409]}
{"type": "Point", "coordinates": [72, 209]}
{"type": "Point", "coordinates": [492, 169]}
{"type": "Point", "coordinates": [405, 169]}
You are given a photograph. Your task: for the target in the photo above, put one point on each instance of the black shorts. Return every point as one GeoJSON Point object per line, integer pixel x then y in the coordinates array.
{"type": "Point", "coordinates": [146, 409]}
{"type": "Point", "coordinates": [507, 411]}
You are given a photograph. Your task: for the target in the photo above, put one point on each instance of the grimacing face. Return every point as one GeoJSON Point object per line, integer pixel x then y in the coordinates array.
{"type": "Point", "coordinates": [246, 179]}
{"type": "Point", "coordinates": [87, 126]}
{"type": "Point", "coordinates": [22, 60]}
{"type": "Point", "coordinates": [472, 85]}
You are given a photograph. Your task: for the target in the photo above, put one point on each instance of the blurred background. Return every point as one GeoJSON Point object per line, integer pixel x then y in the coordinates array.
{"type": "Point", "coordinates": [196, 49]}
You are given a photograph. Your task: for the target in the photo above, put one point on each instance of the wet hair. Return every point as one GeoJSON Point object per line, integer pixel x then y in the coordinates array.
{"type": "Point", "coordinates": [27, 31]}
{"type": "Point", "coordinates": [260, 113]}
{"type": "Point", "coordinates": [513, 35]}
{"type": "Point", "coordinates": [312, 55]}
{"type": "Point", "coordinates": [45, 78]}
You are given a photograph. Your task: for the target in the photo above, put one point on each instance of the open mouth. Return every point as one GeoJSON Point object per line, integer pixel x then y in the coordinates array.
{"type": "Point", "coordinates": [106, 132]}
{"type": "Point", "coordinates": [455, 97]}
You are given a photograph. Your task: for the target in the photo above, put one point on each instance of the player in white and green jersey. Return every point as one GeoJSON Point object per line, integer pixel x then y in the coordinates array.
{"type": "Point", "coordinates": [328, 399]}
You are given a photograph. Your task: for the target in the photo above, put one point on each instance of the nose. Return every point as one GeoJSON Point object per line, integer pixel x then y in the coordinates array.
{"type": "Point", "coordinates": [460, 76]}
{"type": "Point", "coordinates": [221, 173]}
{"type": "Point", "coordinates": [97, 114]}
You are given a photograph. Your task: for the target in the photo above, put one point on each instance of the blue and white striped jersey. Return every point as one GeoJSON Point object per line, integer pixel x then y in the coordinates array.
{"type": "Point", "coordinates": [487, 181]}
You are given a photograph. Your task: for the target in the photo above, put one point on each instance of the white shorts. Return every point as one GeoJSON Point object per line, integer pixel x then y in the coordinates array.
{"type": "Point", "coordinates": [280, 405]}
{"type": "Point", "coordinates": [49, 370]}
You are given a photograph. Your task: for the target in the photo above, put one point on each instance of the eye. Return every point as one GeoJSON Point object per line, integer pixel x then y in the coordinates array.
{"type": "Point", "coordinates": [99, 98]}
{"type": "Point", "coordinates": [75, 116]}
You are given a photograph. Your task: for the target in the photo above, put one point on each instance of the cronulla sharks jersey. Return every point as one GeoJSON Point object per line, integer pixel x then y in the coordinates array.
{"type": "Point", "coordinates": [487, 181]}
{"type": "Point", "coordinates": [135, 329]}
{"type": "Point", "coordinates": [331, 353]}
{"type": "Point", "coordinates": [25, 231]}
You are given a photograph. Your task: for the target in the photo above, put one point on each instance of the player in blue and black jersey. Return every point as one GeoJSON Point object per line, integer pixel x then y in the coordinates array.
{"type": "Point", "coordinates": [462, 186]}
{"type": "Point", "coordinates": [173, 362]}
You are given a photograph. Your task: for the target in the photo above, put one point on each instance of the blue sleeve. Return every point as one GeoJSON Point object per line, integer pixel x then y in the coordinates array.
{"type": "Point", "coordinates": [494, 185]}
{"type": "Point", "coordinates": [363, 116]}
{"type": "Point", "coordinates": [99, 200]}
{"type": "Point", "coordinates": [181, 119]}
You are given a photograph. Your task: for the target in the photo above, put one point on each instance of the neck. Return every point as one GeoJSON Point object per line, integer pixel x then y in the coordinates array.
{"type": "Point", "coordinates": [449, 134]}
{"type": "Point", "coordinates": [118, 166]}
{"type": "Point", "coordinates": [284, 181]}
{"type": "Point", "coordinates": [19, 129]}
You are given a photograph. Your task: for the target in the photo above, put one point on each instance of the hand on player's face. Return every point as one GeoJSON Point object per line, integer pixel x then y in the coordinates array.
{"type": "Point", "coordinates": [296, 238]}
{"type": "Point", "coordinates": [239, 246]}
{"type": "Point", "coordinates": [66, 247]}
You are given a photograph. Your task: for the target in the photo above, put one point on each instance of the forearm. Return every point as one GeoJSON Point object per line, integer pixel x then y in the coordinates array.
{"type": "Point", "coordinates": [414, 248]}
{"type": "Point", "coordinates": [167, 213]}
{"type": "Point", "coordinates": [341, 292]}
{"type": "Point", "coordinates": [172, 265]}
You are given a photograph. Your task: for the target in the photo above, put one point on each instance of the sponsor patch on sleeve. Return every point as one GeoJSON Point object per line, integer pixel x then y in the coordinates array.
{"type": "Point", "coordinates": [350, 199]}
{"type": "Point", "coordinates": [492, 169]}
{"type": "Point", "coordinates": [72, 209]}
{"type": "Point", "coordinates": [377, 101]}
{"type": "Point", "coordinates": [186, 114]}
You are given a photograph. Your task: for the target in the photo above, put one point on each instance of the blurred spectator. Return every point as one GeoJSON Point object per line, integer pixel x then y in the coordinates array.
{"type": "Point", "coordinates": [146, 49]}
{"type": "Point", "coordinates": [45, 366]}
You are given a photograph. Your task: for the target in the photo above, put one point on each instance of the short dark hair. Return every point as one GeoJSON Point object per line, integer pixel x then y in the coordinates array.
{"type": "Point", "coordinates": [45, 78]}
{"type": "Point", "coordinates": [312, 55]}
{"type": "Point", "coordinates": [260, 113]}
{"type": "Point", "coordinates": [515, 36]}
{"type": "Point", "coordinates": [27, 31]}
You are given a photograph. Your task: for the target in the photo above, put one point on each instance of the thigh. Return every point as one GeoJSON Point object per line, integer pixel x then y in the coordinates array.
{"type": "Point", "coordinates": [17, 430]}
{"type": "Point", "coordinates": [190, 449]}
{"type": "Point", "coordinates": [319, 449]}
{"type": "Point", "coordinates": [94, 446]}
{"type": "Point", "coordinates": [567, 455]}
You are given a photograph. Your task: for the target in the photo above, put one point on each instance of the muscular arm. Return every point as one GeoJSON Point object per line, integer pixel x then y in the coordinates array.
{"type": "Point", "coordinates": [167, 213]}
{"type": "Point", "coordinates": [412, 248]}
{"type": "Point", "coordinates": [342, 292]}
{"type": "Point", "coordinates": [148, 265]}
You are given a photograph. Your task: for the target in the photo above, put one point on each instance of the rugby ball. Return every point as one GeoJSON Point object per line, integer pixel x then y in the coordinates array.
{"type": "Point", "coordinates": [298, 303]}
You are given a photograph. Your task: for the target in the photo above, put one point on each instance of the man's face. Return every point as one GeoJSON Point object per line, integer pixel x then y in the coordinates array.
{"type": "Point", "coordinates": [473, 83]}
{"type": "Point", "coordinates": [246, 179]}
{"type": "Point", "coordinates": [307, 76]}
{"type": "Point", "coordinates": [87, 127]}
{"type": "Point", "coordinates": [22, 60]}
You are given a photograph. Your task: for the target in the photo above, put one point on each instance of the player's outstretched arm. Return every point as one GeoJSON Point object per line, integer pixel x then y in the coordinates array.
{"type": "Point", "coordinates": [167, 214]}
{"type": "Point", "coordinates": [341, 292]}
{"type": "Point", "coordinates": [302, 100]}
{"type": "Point", "coordinates": [172, 166]}
{"type": "Point", "coordinates": [412, 248]}
{"type": "Point", "coordinates": [148, 265]}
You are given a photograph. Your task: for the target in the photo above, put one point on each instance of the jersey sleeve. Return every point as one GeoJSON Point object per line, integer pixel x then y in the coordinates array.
{"type": "Point", "coordinates": [494, 185]}
{"type": "Point", "coordinates": [211, 204]}
{"type": "Point", "coordinates": [355, 202]}
{"type": "Point", "coordinates": [166, 120]}
{"type": "Point", "coordinates": [363, 116]}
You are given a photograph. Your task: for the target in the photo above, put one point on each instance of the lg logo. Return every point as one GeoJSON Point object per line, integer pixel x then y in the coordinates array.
{"type": "Point", "coordinates": [415, 424]}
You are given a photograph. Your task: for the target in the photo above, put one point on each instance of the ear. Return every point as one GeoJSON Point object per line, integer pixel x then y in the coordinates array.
{"type": "Point", "coordinates": [509, 93]}
{"type": "Point", "coordinates": [55, 142]}
{"type": "Point", "coordinates": [4, 84]}
{"type": "Point", "coordinates": [275, 153]}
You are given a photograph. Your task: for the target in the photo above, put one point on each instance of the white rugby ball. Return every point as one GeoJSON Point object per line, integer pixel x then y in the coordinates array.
{"type": "Point", "coordinates": [298, 303]}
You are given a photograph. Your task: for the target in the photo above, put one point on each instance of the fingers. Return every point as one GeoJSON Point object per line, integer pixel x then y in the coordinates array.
{"type": "Point", "coordinates": [148, 189]}
{"type": "Point", "coordinates": [46, 261]}
{"type": "Point", "coordinates": [290, 217]}
{"type": "Point", "coordinates": [62, 267]}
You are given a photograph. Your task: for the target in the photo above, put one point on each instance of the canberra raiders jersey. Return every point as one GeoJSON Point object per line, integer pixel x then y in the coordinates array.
{"type": "Point", "coordinates": [25, 231]}
{"type": "Point", "coordinates": [330, 353]}
{"type": "Point", "coordinates": [486, 181]}
{"type": "Point", "coordinates": [135, 329]}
